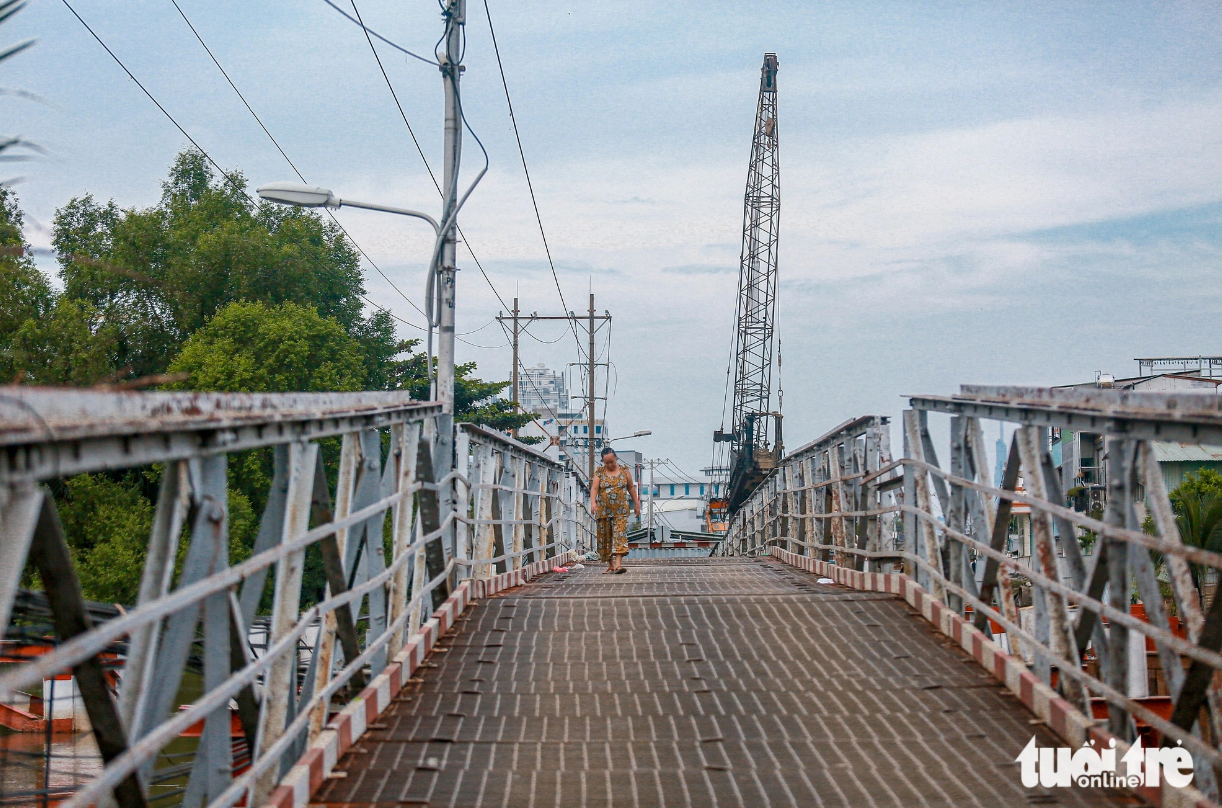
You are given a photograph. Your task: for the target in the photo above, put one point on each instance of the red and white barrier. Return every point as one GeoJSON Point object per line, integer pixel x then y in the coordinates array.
{"type": "Point", "coordinates": [1067, 721]}
{"type": "Point", "coordinates": [296, 788]}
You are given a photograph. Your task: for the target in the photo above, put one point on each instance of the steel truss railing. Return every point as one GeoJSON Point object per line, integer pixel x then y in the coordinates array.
{"type": "Point", "coordinates": [510, 505]}
{"type": "Point", "coordinates": [954, 532]}
{"type": "Point", "coordinates": [830, 496]}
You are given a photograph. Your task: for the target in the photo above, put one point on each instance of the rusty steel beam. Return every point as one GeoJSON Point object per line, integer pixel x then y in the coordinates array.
{"type": "Point", "coordinates": [51, 432]}
{"type": "Point", "coordinates": [50, 555]}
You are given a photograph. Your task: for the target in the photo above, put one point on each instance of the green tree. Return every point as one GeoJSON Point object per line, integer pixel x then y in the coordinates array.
{"type": "Point", "coordinates": [72, 345]}
{"type": "Point", "coordinates": [1196, 487]}
{"type": "Point", "coordinates": [107, 519]}
{"type": "Point", "coordinates": [255, 348]}
{"type": "Point", "coordinates": [1197, 503]}
{"type": "Point", "coordinates": [25, 292]}
{"type": "Point", "coordinates": [106, 523]}
{"type": "Point", "coordinates": [262, 348]}
{"type": "Point", "coordinates": [475, 400]}
{"type": "Point", "coordinates": [159, 274]}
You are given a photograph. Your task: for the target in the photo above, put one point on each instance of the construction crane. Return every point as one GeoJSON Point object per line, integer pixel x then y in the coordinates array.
{"type": "Point", "coordinates": [755, 438]}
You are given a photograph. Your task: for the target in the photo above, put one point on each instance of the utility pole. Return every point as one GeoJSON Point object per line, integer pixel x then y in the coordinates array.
{"type": "Point", "coordinates": [590, 416]}
{"type": "Point", "coordinates": [591, 365]}
{"type": "Point", "coordinates": [515, 383]}
{"type": "Point", "coordinates": [649, 534]}
{"type": "Point", "coordinates": [451, 74]}
{"type": "Point", "coordinates": [514, 377]}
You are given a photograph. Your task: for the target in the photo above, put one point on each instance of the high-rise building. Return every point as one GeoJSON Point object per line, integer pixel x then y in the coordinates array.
{"type": "Point", "coordinates": [541, 390]}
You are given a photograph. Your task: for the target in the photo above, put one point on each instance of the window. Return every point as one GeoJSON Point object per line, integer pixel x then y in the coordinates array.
{"type": "Point", "coordinates": [586, 428]}
{"type": "Point", "coordinates": [598, 429]}
{"type": "Point", "coordinates": [655, 491]}
{"type": "Point", "coordinates": [672, 490]}
{"type": "Point", "coordinates": [702, 489]}
{"type": "Point", "coordinates": [687, 489]}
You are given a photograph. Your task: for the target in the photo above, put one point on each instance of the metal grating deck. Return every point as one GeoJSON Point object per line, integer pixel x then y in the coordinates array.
{"type": "Point", "coordinates": [697, 682]}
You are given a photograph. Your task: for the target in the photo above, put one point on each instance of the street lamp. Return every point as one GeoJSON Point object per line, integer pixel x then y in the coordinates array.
{"type": "Point", "coordinates": [311, 196]}
{"type": "Point", "coordinates": [640, 434]}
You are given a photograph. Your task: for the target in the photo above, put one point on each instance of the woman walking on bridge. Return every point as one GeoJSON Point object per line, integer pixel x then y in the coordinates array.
{"type": "Point", "coordinates": [612, 495]}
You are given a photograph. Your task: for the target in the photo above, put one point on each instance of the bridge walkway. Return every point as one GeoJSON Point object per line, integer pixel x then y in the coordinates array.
{"type": "Point", "coordinates": [701, 682]}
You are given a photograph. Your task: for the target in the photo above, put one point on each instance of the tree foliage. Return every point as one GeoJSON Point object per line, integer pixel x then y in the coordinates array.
{"type": "Point", "coordinates": [25, 293]}
{"type": "Point", "coordinates": [1197, 502]}
{"type": "Point", "coordinates": [237, 296]}
{"type": "Point", "coordinates": [161, 273]}
{"type": "Point", "coordinates": [254, 347]}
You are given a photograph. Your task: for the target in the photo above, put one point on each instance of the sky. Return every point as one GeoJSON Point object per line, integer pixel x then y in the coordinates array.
{"type": "Point", "coordinates": [972, 193]}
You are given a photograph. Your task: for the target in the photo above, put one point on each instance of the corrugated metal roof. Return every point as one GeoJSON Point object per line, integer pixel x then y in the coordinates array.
{"type": "Point", "coordinates": [1178, 452]}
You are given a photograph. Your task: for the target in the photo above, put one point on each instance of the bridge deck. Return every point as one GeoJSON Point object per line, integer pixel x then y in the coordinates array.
{"type": "Point", "coordinates": [703, 682]}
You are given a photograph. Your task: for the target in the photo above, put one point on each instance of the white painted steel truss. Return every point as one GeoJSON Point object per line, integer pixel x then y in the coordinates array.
{"type": "Point", "coordinates": [953, 532]}
{"type": "Point", "coordinates": [511, 506]}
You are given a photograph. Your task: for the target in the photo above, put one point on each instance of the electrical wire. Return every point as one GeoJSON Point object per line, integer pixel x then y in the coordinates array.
{"type": "Point", "coordinates": [481, 328]}
{"type": "Point", "coordinates": [224, 174]}
{"type": "Point", "coordinates": [526, 170]}
{"type": "Point", "coordinates": [543, 341]}
{"type": "Point", "coordinates": [681, 472]}
{"type": "Point", "coordinates": [486, 347]}
{"type": "Point", "coordinates": [283, 154]}
{"type": "Point", "coordinates": [371, 32]}
{"type": "Point", "coordinates": [416, 142]}
{"type": "Point", "coordinates": [525, 375]}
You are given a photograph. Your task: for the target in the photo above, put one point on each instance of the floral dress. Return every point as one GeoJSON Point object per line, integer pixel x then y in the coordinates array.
{"type": "Point", "coordinates": [614, 502]}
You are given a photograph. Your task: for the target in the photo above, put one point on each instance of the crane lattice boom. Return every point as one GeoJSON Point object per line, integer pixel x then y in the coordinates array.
{"type": "Point", "coordinates": [756, 439]}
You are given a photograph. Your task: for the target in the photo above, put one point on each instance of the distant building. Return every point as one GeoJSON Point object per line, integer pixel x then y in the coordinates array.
{"type": "Point", "coordinates": [674, 487]}
{"type": "Point", "coordinates": [679, 501]}
{"type": "Point", "coordinates": [1001, 452]}
{"type": "Point", "coordinates": [542, 391]}
{"type": "Point", "coordinates": [1078, 456]}
{"type": "Point", "coordinates": [567, 436]}
{"type": "Point", "coordinates": [576, 439]}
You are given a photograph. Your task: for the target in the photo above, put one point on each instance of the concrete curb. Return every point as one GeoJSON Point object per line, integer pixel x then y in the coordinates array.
{"type": "Point", "coordinates": [307, 775]}
{"type": "Point", "coordinates": [1067, 721]}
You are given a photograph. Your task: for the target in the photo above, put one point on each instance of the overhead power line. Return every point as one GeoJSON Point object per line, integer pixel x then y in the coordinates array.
{"type": "Point", "coordinates": [415, 141]}
{"type": "Point", "coordinates": [226, 176]}
{"type": "Point", "coordinates": [292, 165]}
{"type": "Point", "coordinates": [371, 32]}
{"type": "Point", "coordinates": [530, 186]}
{"type": "Point", "coordinates": [526, 331]}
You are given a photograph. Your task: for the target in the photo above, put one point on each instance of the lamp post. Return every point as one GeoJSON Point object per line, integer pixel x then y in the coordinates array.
{"type": "Point", "coordinates": [311, 196]}
{"type": "Point", "coordinates": [642, 433]}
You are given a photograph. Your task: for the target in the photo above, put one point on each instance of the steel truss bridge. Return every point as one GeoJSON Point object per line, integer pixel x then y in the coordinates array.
{"type": "Point", "coordinates": [863, 638]}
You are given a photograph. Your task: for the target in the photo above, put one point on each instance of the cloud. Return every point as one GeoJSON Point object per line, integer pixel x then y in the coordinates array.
{"type": "Point", "coordinates": [701, 269]}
